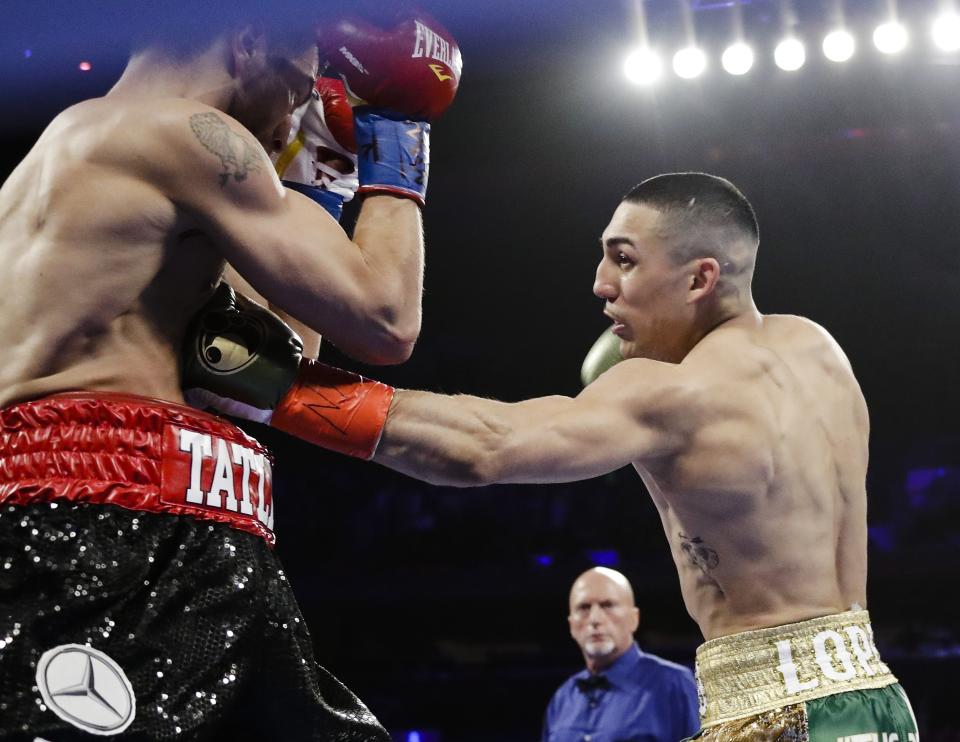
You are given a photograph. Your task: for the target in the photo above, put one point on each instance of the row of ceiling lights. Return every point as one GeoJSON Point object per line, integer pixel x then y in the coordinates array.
{"type": "Point", "coordinates": [644, 65]}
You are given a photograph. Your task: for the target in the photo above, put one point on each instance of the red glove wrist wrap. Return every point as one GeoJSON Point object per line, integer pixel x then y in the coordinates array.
{"type": "Point", "coordinates": [334, 409]}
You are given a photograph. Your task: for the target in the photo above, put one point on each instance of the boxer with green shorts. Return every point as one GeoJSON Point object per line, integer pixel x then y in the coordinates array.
{"type": "Point", "coordinates": [750, 434]}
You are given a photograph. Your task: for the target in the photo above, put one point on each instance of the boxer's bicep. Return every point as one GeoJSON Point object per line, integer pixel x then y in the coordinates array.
{"type": "Point", "coordinates": [634, 413]}
{"type": "Point", "coordinates": [295, 255]}
{"type": "Point", "coordinates": [361, 299]}
{"type": "Point", "coordinates": [559, 439]}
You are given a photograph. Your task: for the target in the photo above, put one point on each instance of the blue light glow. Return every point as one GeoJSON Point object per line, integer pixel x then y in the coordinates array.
{"type": "Point", "coordinates": [604, 557]}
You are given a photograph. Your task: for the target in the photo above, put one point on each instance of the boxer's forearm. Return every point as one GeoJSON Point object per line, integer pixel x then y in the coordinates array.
{"type": "Point", "coordinates": [442, 440]}
{"type": "Point", "coordinates": [467, 441]}
{"type": "Point", "coordinates": [389, 232]}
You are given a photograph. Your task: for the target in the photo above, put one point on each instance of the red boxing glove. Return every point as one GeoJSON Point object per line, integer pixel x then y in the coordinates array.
{"type": "Point", "coordinates": [412, 69]}
{"type": "Point", "coordinates": [338, 112]}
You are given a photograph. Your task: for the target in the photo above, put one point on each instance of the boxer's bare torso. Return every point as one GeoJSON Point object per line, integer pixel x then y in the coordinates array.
{"type": "Point", "coordinates": [101, 269]}
{"type": "Point", "coordinates": [117, 225]}
{"type": "Point", "coordinates": [754, 449]}
{"type": "Point", "coordinates": [764, 505]}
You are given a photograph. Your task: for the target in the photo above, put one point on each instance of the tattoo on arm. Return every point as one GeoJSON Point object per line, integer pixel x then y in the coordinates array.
{"type": "Point", "coordinates": [698, 553]}
{"type": "Point", "coordinates": [238, 156]}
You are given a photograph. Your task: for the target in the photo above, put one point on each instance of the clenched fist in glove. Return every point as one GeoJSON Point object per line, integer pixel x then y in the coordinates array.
{"type": "Point", "coordinates": [398, 79]}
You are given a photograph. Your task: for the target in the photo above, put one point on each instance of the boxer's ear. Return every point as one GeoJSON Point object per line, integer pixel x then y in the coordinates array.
{"type": "Point", "coordinates": [248, 50]}
{"type": "Point", "coordinates": [704, 275]}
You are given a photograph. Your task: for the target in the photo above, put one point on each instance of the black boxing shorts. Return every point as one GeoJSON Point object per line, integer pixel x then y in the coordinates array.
{"type": "Point", "coordinates": [139, 593]}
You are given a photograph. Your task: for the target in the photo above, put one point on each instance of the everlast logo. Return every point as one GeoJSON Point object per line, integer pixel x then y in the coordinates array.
{"type": "Point", "coordinates": [431, 45]}
{"type": "Point", "coordinates": [205, 471]}
{"type": "Point", "coordinates": [838, 657]}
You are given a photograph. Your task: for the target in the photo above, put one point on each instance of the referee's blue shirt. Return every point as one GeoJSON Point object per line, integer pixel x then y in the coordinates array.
{"type": "Point", "coordinates": [648, 700]}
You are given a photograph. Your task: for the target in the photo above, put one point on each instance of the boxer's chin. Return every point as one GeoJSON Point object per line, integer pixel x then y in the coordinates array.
{"type": "Point", "coordinates": [599, 649]}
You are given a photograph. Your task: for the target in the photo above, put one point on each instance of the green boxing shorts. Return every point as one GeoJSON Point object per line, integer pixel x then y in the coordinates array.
{"type": "Point", "coordinates": [820, 680]}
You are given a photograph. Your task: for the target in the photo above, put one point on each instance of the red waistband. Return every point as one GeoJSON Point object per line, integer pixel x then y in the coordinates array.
{"type": "Point", "coordinates": [137, 453]}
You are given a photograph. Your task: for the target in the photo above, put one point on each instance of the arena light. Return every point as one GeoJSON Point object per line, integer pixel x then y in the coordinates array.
{"type": "Point", "coordinates": [737, 58]}
{"type": "Point", "coordinates": [85, 66]}
{"type": "Point", "coordinates": [689, 62]}
{"type": "Point", "coordinates": [946, 32]}
{"type": "Point", "coordinates": [643, 66]}
{"type": "Point", "coordinates": [790, 55]}
{"type": "Point", "coordinates": [891, 37]}
{"type": "Point", "coordinates": [839, 45]}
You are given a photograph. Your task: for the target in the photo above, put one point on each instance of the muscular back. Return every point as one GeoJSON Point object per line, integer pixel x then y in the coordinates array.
{"type": "Point", "coordinates": [101, 270]}
{"type": "Point", "coordinates": [764, 504]}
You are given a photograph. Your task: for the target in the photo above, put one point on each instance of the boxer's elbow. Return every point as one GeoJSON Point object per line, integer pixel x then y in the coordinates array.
{"type": "Point", "coordinates": [394, 343]}
{"type": "Point", "coordinates": [401, 337]}
{"type": "Point", "coordinates": [385, 338]}
{"type": "Point", "coordinates": [396, 329]}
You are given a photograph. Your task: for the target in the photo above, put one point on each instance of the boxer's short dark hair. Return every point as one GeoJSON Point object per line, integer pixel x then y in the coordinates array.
{"type": "Point", "coordinates": [698, 199]}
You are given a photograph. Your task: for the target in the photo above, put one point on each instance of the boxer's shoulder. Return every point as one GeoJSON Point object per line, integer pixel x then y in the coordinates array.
{"type": "Point", "coordinates": [174, 142]}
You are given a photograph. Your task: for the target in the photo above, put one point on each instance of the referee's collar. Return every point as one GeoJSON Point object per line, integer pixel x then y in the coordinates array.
{"type": "Point", "coordinates": [622, 668]}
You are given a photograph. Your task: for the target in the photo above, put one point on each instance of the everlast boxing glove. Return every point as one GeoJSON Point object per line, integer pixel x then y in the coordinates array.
{"type": "Point", "coordinates": [603, 355]}
{"type": "Point", "coordinates": [398, 79]}
{"type": "Point", "coordinates": [240, 359]}
{"type": "Point", "coordinates": [320, 159]}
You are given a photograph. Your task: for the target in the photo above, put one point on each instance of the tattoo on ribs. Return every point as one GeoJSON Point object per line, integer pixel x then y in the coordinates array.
{"type": "Point", "coordinates": [698, 553]}
{"type": "Point", "coordinates": [238, 156]}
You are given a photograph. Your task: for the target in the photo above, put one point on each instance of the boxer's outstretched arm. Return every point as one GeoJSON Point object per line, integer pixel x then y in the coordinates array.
{"type": "Point", "coordinates": [637, 411]}
{"type": "Point", "coordinates": [362, 294]}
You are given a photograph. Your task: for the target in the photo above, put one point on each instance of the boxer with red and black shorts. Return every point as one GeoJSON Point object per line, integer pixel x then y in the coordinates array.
{"type": "Point", "coordinates": [144, 594]}
{"type": "Point", "coordinates": [139, 593]}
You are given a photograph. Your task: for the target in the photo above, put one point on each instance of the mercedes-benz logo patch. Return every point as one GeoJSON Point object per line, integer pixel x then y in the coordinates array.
{"type": "Point", "coordinates": [86, 688]}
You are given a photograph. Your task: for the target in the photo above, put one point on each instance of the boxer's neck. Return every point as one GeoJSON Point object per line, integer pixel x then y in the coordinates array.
{"type": "Point", "coordinates": [204, 78]}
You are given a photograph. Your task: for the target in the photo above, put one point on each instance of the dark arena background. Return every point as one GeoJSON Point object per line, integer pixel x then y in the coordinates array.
{"type": "Point", "coordinates": [444, 609]}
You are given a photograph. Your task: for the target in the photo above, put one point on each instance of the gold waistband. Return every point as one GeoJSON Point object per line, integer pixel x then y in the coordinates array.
{"type": "Point", "coordinates": [749, 673]}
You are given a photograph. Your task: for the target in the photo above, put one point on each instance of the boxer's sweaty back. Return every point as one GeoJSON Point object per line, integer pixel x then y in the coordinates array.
{"type": "Point", "coordinates": [100, 269]}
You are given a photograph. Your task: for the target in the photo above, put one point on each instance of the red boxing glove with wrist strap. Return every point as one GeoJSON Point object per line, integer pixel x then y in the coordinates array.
{"type": "Point", "coordinates": [334, 409]}
{"type": "Point", "coordinates": [412, 69]}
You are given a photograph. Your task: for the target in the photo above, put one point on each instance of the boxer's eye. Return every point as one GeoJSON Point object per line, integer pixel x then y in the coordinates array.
{"type": "Point", "coordinates": [623, 259]}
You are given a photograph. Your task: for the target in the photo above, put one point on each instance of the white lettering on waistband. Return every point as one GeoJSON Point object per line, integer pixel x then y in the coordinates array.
{"type": "Point", "coordinates": [198, 444]}
{"type": "Point", "coordinates": [232, 469]}
{"type": "Point", "coordinates": [840, 654]}
{"type": "Point", "coordinates": [788, 669]}
{"type": "Point", "coordinates": [862, 648]}
{"type": "Point", "coordinates": [839, 657]}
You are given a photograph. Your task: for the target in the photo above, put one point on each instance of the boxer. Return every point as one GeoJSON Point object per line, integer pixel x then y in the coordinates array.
{"type": "Point", "coordinates": [749, 432]}
{"type": "Point", "coordinates": [140, 594]}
